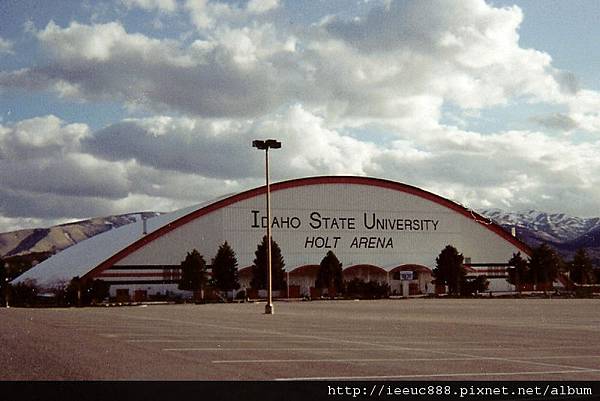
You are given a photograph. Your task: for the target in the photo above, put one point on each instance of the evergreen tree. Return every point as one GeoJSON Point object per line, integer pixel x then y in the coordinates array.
{"type": "Point", "coordinates": [224, 269]}
{"type": "Point", "coordinates": [518, 273]}
{"type": "Point", "coordinates": [259, 268]}
{"type": "Point", "coordinates": [474, 286]}
{"type": "Point", "coordinates": [330, 273]}
{"type": "Point", "coordinates": [544, 265]}
{"type": "Point", "coordinates": [193, 272]}
{"type": "Point", "coordinates": [25, 293]}
{"type": "Point", "coordinates": [97, 290]}
{"type": "Point", "coordinates": [357, 288]}
{"type": "Point", "coordinates": [74, 292]}
{"type": "Point", "coordinates": [85, 291]}
{"type": "Point", "coordinates": [581, 269]}
{"type": "Point", "coordinates": [450, 270]}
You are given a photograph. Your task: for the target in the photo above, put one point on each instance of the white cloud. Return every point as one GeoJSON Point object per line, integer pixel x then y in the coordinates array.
{"type": "Point", "coordinates": [512, 169]}
{"type": "Point", "coordinates": [73, 175]}
{"type": "Point", "coordinates": [8, 224]}
{"type": "Point", "coordinates": [584, 108]}
{"type": "Point", "coordinates": [261, 6]}
{"type": "Point", "coordinates": [206, 14]}
{"type": "Point", "coordinates": [107, 43]}
{"type": "Point", "coordinates": [515, 170]}
{"type": "Point", "coordinates": [42, 155]}
{"type": "Point", "coordinates": [163, 163]}
{"type": "Point", "coordinates": [388, 65]}
{"type": "Point", "coordinates": [221, 148]}
{"type": "Point", "coordinates": [40, 137]}
{"type": "Point", "coordinates": [309, 147]}
{"type": "Point", "coordinates": [211, 148]}
{"type": "Point", "coordinates": [6, 46]}
{"type": "Point", "coordinates": [103, 61]}
{"type": "Point", "coordinates": [162, 5]}
{"type": "Point", "coordinates": [469, 55]}
{"type": "Point", "coordinates": [47, 174]}
{"type": "Point", "coordinates": [346, 96]}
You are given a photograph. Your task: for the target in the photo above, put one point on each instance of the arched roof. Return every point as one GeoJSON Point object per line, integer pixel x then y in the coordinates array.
{"type": "Point", "coordinates": [364, 268]}
{"type": "Point", "coordinates": [100, 252]}
{"type": "Point", "coordinates": [245, 270]}
{"type": "Point", "coordinates": [411, 267]}
{"type": "Point", "coordinates": [305, 269]}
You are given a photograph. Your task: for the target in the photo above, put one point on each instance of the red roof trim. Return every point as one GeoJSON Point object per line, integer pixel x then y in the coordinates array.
{"type": "Point", "coordinates": [300, 182]}
{"type": "Point", "coordinates": [411, 267]}
{"type": "Point", "coordinates": [244, 269]}
{"type": "Point", "coordinates": [304, 269]}
{"type": "Point", "coordinates": [471, 270]}
{"type": "Point", "coordinates": [364, 267]}
{"type": "Point", "coordinates": [111, 275]}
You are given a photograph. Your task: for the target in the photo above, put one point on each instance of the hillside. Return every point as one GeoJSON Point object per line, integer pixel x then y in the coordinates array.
{"type": "Point", "coordinates": [54, 239]}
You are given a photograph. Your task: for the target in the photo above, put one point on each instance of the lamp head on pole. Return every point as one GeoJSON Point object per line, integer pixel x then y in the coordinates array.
{"type": "Point", "coordinates": [266, 144]}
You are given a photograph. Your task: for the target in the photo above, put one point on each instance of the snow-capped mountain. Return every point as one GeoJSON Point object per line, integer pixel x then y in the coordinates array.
{"type": "Point", "coordinates": [565, 233]}
{"type": "Point", "coordinates": [555, 227]}
{"type": "Point", "coordinates": [44, 242]}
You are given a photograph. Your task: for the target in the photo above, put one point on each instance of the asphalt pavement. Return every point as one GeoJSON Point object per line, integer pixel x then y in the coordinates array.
{"type": "Point", "coordinates": [413, 339]}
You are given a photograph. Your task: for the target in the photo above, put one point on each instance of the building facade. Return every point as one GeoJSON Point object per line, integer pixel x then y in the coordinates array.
{"type": "Point", "coordinates": [380, 230]}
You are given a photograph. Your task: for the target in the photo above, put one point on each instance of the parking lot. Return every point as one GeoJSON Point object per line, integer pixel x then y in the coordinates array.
{"type": "Point", "coordinates": [414, 339]}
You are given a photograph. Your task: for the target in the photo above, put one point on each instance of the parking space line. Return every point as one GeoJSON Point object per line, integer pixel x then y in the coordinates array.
{"type": "Point", "coordinates": [346, 360]}
{"type": "Point", "coordinates": [265, 349]}
{"type": "Point", "coordinates": [524, 347]}
{"type": "Point", "coordinates": [217, 340]}
{"type": "Point", "coordinates": [372, 346]}
{"type": "Point", "coordinates": [234, 361]}
{"type": "Point", "coordinates": [423, 376]}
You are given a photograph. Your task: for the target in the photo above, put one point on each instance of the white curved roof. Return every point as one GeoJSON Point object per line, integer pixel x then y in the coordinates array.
{"type": "Point", "coordinates": [79, 259]}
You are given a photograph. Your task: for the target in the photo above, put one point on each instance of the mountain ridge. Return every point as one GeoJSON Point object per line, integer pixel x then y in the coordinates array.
{"type": "Point", "coordinates": [564, 233]}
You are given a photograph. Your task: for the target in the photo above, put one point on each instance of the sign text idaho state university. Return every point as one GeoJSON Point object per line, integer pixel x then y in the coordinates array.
{"type": "Point", "coordinates": [369, 221]}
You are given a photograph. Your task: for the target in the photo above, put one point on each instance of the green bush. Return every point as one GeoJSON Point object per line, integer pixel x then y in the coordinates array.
{"type": "Point", "coordinates": [357, 288]}
{"type": "Point", "coordinates": [474, 286]}
{"type": "Point", "coordinates": [81, 292]}
{"type": "Point", "coordinates": [24, 293]}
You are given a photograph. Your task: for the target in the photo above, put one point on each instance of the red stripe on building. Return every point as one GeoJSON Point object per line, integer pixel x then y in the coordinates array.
{"type": "Point", "coordinates": [141, 275]}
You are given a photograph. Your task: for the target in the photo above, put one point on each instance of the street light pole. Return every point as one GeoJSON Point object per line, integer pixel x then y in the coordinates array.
{"type": "Point", "coordinates": [265, 145]}
{"type": "Point", "coordinates": [6, 291]}
{"type": "Point", "coordinates": [269, 306]}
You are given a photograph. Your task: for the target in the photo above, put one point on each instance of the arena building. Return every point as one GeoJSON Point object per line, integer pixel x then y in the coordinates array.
{"type": "Point", "coordinates": [380, 230]}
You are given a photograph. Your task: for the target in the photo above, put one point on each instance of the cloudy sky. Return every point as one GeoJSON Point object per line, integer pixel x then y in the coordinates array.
{"type": "Point", "coordinates": [126, 105]}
